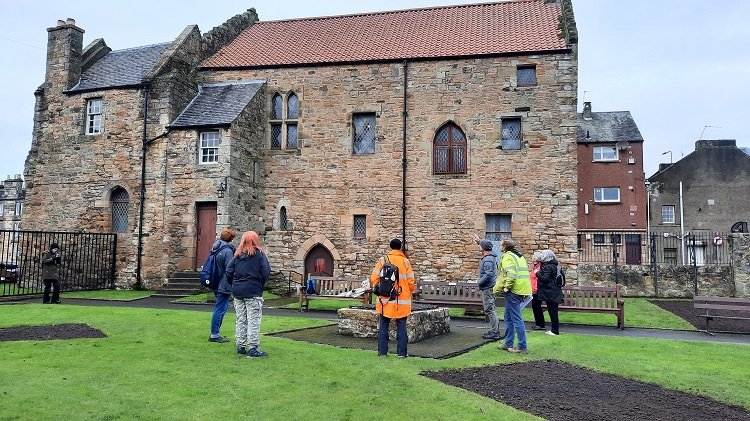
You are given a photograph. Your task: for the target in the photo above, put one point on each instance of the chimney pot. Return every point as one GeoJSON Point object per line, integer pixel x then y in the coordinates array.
{"type": "Point", "coordinates": [60, 22]}
{"type": "Point", "coordinates": [587, 110]}
{"type": "Point", "coordinates": [70, 21]}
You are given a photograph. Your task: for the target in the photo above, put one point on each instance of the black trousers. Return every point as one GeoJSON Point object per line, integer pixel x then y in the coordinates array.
{"type": "Point", "coordinates": [55, 284]}
{"type": "Point", "coordinates": [536, 307]}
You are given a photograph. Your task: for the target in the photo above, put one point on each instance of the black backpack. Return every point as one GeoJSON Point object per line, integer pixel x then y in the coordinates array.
{"type": "Point", "coordinates": [560, 278]}
{"type": "Point", "coordinates": [208, 274]}
{"type": "Point", "coordinates": [388, 286]}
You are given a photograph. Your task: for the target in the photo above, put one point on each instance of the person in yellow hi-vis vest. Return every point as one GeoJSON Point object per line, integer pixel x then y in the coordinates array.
{"type": "Point", "coordinates": [396, 302]}
{"type": "Point", "coordinates": [513, 280]}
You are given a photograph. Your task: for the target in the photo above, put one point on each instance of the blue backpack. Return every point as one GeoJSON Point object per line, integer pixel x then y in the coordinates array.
{"type": "Point", "coordinates": [209, 278]}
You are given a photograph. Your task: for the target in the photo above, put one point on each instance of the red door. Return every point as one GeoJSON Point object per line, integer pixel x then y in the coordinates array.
{"type": "Point", "coordinates": [319, 262]}
{"type": "Point", "coordinates": [206, 232]}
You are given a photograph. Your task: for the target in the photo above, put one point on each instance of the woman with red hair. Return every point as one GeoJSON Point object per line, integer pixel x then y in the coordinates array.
{"type": "Point", "coordinates": [248, 273]}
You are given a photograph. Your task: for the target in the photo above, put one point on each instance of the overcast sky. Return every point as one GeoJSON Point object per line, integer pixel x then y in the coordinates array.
{"type": "Point", "coordinates": [681, 67]}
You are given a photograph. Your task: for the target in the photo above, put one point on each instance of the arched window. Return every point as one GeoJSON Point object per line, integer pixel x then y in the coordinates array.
{"type": "Point", "coordinates": [292, 104]}
{"type": "Point", "coordinates": [276, 107]}
{"type": "Point", "coordinates": [120, 202]}
{"type": "Point", "coordinates": [449, 150]}
{"type": "Point", "coordinates": [283, 224]}
{"type": "Point", "coordinates": [284, 124]}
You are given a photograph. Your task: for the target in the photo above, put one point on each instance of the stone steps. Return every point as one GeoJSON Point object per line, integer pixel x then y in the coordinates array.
{"type": "Point", "coordinates": [181, 284]}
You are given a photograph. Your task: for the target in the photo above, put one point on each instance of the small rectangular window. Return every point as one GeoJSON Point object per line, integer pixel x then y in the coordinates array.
{"type": "Point", "coordinates": [670, 256]}
{"type": "Point", "coordinates": [526, 75]}
{"type": "Point", "coordinates": [275, 136]}
{"type": "Point", "coordinates": [667, 214]}
{"type": "Point", "coordinates": [19, 208]}
{"type": "Point", "coordinates": [615, 238]}
{"type": "Point", "coordinates": [2, 209]}
{"type": "Point", "coordinates": [94, 116]}
{"type": "Point", "coordinates": [605, 153]}
{"type": "Point", "coordinates": [360, 226]}
{"type": "Point", "coordinates": [511, 133]}
{"type": "Point", "coordinates": [607, 194]}
{"type": "Point", "coordinates": [291, 136]}
{"type": "Point", "coordinates": [209, 149]}
{"type": "Point", "coordinates": [497, 227]}
{"type": "Point", "coordinates": [598, 238]}
{"type": "Point", "coordinates": [364, 133]}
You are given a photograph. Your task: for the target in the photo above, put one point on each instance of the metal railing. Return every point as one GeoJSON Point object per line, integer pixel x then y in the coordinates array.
{"type": "Point", "coordinates": [88, 261]}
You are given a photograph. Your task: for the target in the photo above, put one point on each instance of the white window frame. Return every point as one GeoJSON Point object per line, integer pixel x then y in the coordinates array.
{"type": "Point", "coordinates": [19, 208]}
{"type": "Point", "coordinates": [204, 148]}
{"type": "Point", "coordinates": [664, 215]}
{"type": "Point", "coordinates": [2, 209]}
{"type": "Point", "coordinates": [599, 154]}
{"type": "Point", "coordinates": [94, 116]}
{"type": "Point", "coordinates": [599, 194]}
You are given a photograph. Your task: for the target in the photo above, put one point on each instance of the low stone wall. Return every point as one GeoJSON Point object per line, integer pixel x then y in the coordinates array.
{"type": "Point", "coordinates": [421, 324]}
{"type": "Point", "coordinates": [741, 263]}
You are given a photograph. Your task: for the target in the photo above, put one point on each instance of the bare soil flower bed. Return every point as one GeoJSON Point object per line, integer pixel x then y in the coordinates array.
{"type": "Point", "coordinates": [50, 332]}
{"type": "Point", "coordinates": [556, 390]}
{"type": "Point", "coordinates": [685, 310]}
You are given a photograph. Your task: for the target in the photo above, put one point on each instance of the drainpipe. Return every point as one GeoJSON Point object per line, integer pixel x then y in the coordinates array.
{"type": "Point", "coordinates": [404, 114]}
{"type": "Point", "coordinates": [682, 228]}
{"type": "Point", "coordinates": [138, 279]}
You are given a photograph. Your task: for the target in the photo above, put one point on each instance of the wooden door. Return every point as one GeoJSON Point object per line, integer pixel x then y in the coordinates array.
{"type": "Point", "coordinates": [632, 249]}
{"type": "Point", "coordinates": [319, 262]}
{"type": "Point", "coordinates": [206, 232]}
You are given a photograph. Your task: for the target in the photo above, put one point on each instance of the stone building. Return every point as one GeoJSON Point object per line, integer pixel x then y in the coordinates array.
{"type": "Point", "coordinates": [428, 124]}
{"type": "Point", "coordinates": [611, 188]}
{"type": "Point", "coordinates": [12, 193]}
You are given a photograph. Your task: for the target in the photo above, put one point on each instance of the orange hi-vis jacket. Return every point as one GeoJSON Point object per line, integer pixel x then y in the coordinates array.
{"type": "Point", "coordinates": [401, 306]}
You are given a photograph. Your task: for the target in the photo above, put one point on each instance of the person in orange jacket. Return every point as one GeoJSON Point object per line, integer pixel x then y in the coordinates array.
{"type": "Point", "coordinates": [398, 307]}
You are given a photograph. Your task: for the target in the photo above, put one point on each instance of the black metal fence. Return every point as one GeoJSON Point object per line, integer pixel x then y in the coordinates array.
{"type": "Point", "coordinates": [699, 248]}
{"type": "Point", "coordinates": [88, 261]}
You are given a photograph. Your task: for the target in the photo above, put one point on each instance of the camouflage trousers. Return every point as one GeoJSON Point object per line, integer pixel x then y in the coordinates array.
{"type": "Point", "coordinates": [249, 312]}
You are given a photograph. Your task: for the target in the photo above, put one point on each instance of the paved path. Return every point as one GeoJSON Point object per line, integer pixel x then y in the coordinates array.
{"type": "Point", "coordinates": [456, 323]}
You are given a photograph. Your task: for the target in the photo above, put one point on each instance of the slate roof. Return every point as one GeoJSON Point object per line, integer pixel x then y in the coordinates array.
{"type": "Point", "coordinates": [120, 68]}
{"type": "Point", "coordinates": [217, 104]}
{"type": "Point", "coordinates": [611, 126]}
{"type": "Point", "coordinates": [451, 31]}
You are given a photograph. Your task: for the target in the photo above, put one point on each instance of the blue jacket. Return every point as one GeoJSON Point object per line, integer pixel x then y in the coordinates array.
{"type": "Point", "coordinates": [487, 271]}
{"type": "Point", "coordinates": [222, 261]}
{"type": "Point", "coordinates": [248, 274]}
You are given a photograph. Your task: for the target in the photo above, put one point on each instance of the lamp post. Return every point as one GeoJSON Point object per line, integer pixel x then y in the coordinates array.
{"type": "Point", "coordinates": [670, 156]}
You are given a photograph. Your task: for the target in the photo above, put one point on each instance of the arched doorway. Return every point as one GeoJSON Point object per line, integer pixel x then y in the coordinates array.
{"type": "Point", "coordinates": [319, 262]}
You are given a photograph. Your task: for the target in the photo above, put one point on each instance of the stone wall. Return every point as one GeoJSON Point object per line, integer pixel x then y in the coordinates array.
{"type": "Point", "coordinates": [324, 184]}
{"type": "Point", "coordinates": [676, 281]}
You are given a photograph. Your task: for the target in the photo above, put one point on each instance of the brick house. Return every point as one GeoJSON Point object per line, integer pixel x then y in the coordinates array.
{"type": "Point", "coordinates": [427, 124]}
{"type": "Point", "coordinates": [612, 207]}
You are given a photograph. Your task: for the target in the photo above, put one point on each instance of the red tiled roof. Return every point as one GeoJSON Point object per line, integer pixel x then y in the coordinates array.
{"type": "Point", "coordinates": [450, 31]}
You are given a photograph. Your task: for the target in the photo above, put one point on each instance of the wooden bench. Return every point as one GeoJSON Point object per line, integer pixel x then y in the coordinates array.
{"type": "Point", "coordinates": [729, 307]}
{"type": "Point", "coordinates": [327, 287]}
{"type": "Point", "coordinates": [587, 299]}
{"type": "Point", "coordinates": [448, 294]}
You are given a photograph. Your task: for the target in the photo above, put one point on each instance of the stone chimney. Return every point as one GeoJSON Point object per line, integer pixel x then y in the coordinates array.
{"type": "Point", "coordinates": [64, 49]}
{"type": "Point", "coordinates": [717, 143]}
{"type": "Point", "coordinates": [587, 110]}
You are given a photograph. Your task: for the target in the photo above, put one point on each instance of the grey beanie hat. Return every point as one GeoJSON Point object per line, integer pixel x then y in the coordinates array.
{"type": "Point", "coordinates": [485, 245]}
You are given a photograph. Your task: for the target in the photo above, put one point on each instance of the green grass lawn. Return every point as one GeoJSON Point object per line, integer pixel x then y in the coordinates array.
{"type": "Point", "coordinates": [157, 364]}
{"type": "Point", "coordinates": [638, 313]}
{"type": "Point", "coordinates": [108, 294]}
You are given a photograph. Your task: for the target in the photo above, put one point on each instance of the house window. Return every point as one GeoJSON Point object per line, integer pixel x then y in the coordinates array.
{"type": "Point", "coordinates": [526, 75]}
{"type": "Point", "coordinates": [667, 214]}
{"type": "Point", "coordinates": [364, 133]}
{"type": "Point", "coordinates": [449, 150]}
{"type": "Point", "coordinates": [2, 209]}
{"type": "Point", "coordinates": [605, 153]}
{"type": "Point", "coordinates": [209, 150]}
{"type": "Point", "coordinates": [360, 226]}
{"type": "Point", "coordinates": [607, 194]}
{"type": "Point", "coordinates": [511, 133]}
{"type": "Point", "coordinates": [598, 238]}
{"type": "Point", "coordinates": [120, 203]}
{"type": "Point", "coordinates": [615, 238]}
{"type": "Point", "coordinates": [283, 221]}
{"type": "Point", "coordinates": [497, 227]}
{"type": "Point", "coordinates": [670, 256]}
{"type": "Point", "coordinates": [284, 134]}
{"type": "Point", "coordinates": [94, 116]}
{"type": "Point", "coordinates": [19, 208]}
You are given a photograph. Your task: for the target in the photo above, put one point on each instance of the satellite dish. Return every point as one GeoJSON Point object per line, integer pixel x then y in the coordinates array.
{"type": "Point", "coordinates": [622, 145]}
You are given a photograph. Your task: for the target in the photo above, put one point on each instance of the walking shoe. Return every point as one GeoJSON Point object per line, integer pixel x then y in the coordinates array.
{"type": "Point", "coordinates": [403, 356]}
{"type": "Point", "coordinates": [255, 353]}
{"type": "Point", "coordinates": [551, 333]}
{"type": "Point", "coordinates": [219, 339]}
{"type": "Point", "coordinates": [517, 351]}
{"type": "Point", "coordinates": [537, 327]}
{"type": "Point", "coordinates": [492, 335]}
{"type": "Point", "coordinates": [503, 347]}
{"type": "Point", "coordinates": [241, 350]}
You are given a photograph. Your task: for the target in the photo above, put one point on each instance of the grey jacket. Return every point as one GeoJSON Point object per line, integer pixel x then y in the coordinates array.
{"type": "Point", "coordinates": [222, 261]}
{"type": "Point", "coordinates": [50, 269]}
{"type": "Point", "coordinates": [487, 271]}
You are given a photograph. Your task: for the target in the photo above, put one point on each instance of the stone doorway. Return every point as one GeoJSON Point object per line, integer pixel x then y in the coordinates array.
{"type": "Point", "coordinates": [206, 231]}
{"type": "Point", "coordinates": [319, 262]}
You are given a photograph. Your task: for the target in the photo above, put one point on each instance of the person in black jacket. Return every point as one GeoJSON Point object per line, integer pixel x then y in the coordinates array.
{"type": "Point", "coordinates": [248, 273]}
{"type": "Point", "coordinates": [548, 291]}
{"type": "Point", "coordinates": [224, 253]}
